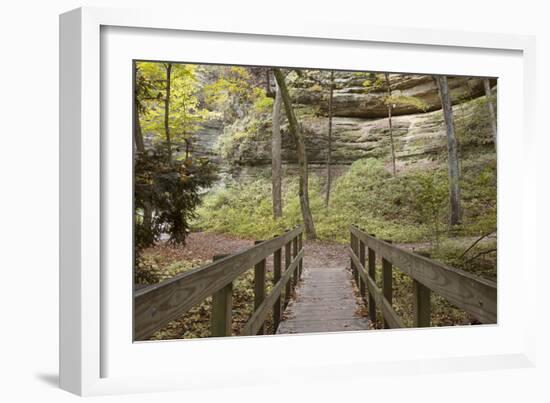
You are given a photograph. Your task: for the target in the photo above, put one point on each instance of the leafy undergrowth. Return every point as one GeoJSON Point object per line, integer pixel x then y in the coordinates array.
{"type": "Point", "coordinates": [153, 268]}
{"type": "Point", "coordinates": [443, 313]}
{"type": "Point", "coordinates": [480, 260]}
{"type": "Point", "coordinates": [411, 207]}
{"type": "Point", "coordinates": [158, 264]}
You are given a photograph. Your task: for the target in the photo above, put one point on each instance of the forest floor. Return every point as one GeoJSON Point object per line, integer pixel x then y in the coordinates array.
{"type": "Point", "coordinates": [203, 246]}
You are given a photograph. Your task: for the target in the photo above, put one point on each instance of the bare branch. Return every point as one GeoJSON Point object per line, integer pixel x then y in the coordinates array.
{"type": "Point", "coordinates": [481, 254]}
{"type": "Point", "coordinates": [476, 242]}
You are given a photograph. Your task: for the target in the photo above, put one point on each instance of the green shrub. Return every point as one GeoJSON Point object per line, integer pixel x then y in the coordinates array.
{"type": "Point", "coordinates": [245, 209]}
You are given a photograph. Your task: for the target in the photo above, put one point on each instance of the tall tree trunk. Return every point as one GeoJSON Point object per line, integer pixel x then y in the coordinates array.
{"type": "Point", "coordinates": [167, 111]}
{"type": "Point", "coordinates": [452, 148]}
{"type": "Point", "coordinates": [138, 135]}
{"type": "Point", "coordinates": [276, 163]}
{"type": "Point", "coordinates": [268, 82]}
{"type": "Point", "coordinates": [140, 148]}
{"type": "Point", "coordinates": [296, 132]}
{"type": "Point", "coordinates": [491, 108]}
{"type": "Point", "coordinates": [388, 84]}
{"type": "Point", "coordinates": [329, 151]}
{"type": "Point", "coordinates": [187, 148]}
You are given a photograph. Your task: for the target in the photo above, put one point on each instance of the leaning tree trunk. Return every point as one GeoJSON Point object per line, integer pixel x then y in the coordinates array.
{"type": "Point", "coordinates": [491, 108]}
{"type": "Point", "coordinates": [452, 148]}
{"type": "Point", "coordinates": [301, 153]}
{"type": "Point", "coordinates": [388, 84]}
{"type": "Point", "coordinates": [167, 111]}
{"type": "Point", "coordinates": [329, 151]}
{"type": "Point", "coordinates": [276, 164]}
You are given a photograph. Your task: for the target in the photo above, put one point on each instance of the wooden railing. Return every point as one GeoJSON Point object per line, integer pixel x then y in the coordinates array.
{"type": "Point", "coordinates": [158, 304]}
{"type": "Point", "coordinates": [473, 294]}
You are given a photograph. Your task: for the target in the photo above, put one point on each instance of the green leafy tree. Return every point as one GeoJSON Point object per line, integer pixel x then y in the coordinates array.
{"type": "Point", "coordinates": [240, 99]}
{"type": "Point", "coordinates": [168, 183]}
{"type": "Point", "coordinates": [185, 113]}
{"type": "Point", "coordinates": [232, 93]}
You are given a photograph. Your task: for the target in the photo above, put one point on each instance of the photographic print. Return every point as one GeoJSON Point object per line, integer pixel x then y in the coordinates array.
{"type": "Point", "coordinates": [281, 200]}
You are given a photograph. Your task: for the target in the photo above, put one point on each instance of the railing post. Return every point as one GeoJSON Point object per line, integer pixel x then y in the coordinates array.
{"type": "Point", "coordinates": [276, 278]}
{"type": "Point", "coordinates": [352, 265]}
{"type": "Point", "coordinates": [372, 275]}
{"type": "Point", "coordinates": [259, 284]}
{"type": "Point", "coordinates": [222, 302]}
{"type": "Point", "coordinates": [356, 248]}
{"type": "Point", "coordinates": [287, 265]}
{"type": "Point", "coordinates": [294, 254]}
{"type": "Point", "coordinates": [387, 287]}
{"type": "Point", "coordinates": [300, 247]}
{"type": "Point", "coordinates": [422, 305]}
{"type": "Point", "coordinates": [362, 287]}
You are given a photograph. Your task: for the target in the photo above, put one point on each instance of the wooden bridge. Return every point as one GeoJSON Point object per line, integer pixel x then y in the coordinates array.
{"type": "Point", "coordinates": [323, 297]}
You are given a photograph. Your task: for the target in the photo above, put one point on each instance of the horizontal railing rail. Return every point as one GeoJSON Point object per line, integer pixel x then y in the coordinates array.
{"type": "Point", "coordinates": [156, 305]}
{"type": "Point", "coordinates": [475, 295]}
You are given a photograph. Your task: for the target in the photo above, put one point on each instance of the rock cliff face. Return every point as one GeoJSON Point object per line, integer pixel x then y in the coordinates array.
{"type": "Point", "coordinates": [353, 99]}
{"type": "Point", "coordinates": [360, 123]}
{"type": "Point", "coordinates": [416, 136]}
{"type": "Point", "coordinates": [206, 138]}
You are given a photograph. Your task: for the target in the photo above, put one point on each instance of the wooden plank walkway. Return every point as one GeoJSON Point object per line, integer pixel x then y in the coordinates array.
{"type": "Point", "coordinates": [324, 302]}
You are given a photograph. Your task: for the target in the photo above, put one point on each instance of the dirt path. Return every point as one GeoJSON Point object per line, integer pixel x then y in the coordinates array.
{"type": "Point", "coordinates": [325, 254]}
{"type": "Point", "coordinates": [202, 246]}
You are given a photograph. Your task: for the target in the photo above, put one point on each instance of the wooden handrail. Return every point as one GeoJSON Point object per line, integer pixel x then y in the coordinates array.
{"type": "Point", "coordinates": [473, 294]}
{"type": "Point", "coordinates": [259, 316]}
{"type": "Point", "coordinates": [158, 304]}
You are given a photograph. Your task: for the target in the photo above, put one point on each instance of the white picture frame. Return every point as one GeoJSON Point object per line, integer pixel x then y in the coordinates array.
{"type": "Point", "coordinates": [92, 354]}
